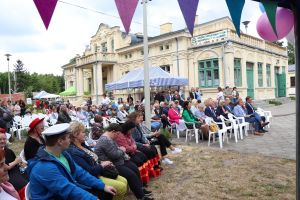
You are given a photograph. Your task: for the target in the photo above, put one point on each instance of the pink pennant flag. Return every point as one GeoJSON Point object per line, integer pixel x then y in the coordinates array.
{"type": "Point", "coordinates": [126, 9]}
{"type": "Point", "coordinates": [46, 9]}
{"type": "Point", "coordinates": [189, 9]}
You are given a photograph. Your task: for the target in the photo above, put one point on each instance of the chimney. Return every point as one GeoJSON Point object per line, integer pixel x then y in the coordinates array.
{"type": "Point", "coordinates": [196, 20]}
{"type": "Point", "coordinates": [166, 28]}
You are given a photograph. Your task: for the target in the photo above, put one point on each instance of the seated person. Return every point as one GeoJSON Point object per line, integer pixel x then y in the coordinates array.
{"type": "Point", "coordinates": [221, 109]}
{"type": "Point", "coordinates": [146, 140]}
{"type": "Point", "coordinates": [125, 140]}
{"type": "Point", "coordinates": [251, 111]}
{"type": "Point", "coordinates": [155, 117]}
{"type": "Point", "coordinates": [107, 149]}
{"type": "Point", "coordinates": [97, 127]}
{"type": "Point", "coordinates": [122, 114]}
{"type": "Point", "coordinates": [34, 140]}
{"type": "Point", "coordinates": [54, 175]}
{"type": "Point", "coordinates": [240, 111]}
{"type": "Point", "coordinates": [7, 189]}
{"type": "Point", "coordinates": [210, 111]}
{"type": "Point", "coordinates": [174, 117]}
{"type": "Point", "coordinates": [18, 180]}
{"type": "Point", "coordinates": [88, 160]}
{"type": "Point", "coordinates": [189, 117]}
{"type": "Point", "coordinates": [227, 105]}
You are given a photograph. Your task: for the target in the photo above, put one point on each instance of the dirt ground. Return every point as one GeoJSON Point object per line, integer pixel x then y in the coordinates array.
{"type": "Point", "coordinates": [205, 173]}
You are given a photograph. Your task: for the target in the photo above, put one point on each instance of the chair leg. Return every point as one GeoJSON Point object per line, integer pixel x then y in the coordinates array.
{"type": "Point", "coordinates": [235, 135]}
{"type": "Point", "coordinates": [177, 131]}
{"type": "Point", "coordinates": [220, 139]}
{"type": "Point", "coordinates": [186, 135]}
{"type": "Point", "coordinates": [196, 135]}
{"type": "Point", "coordinates": [209, 135]}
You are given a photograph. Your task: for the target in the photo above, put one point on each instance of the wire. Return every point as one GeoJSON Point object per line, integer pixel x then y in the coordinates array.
{"type": "Point", "coordinates": [102, 13]}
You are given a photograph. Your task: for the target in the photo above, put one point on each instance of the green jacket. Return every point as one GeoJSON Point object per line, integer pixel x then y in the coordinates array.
{"type": "Point", "coordinates": [188, 116]}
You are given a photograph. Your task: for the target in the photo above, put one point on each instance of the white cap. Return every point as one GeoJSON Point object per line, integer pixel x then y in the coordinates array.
{"type": "Point", "coordinates": [56, 129]}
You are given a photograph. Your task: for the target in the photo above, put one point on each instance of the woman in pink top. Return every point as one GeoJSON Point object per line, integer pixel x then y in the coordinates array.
{"type": "Point", "coordinates": [174, 117]}
{"type": "Point", "coordinates": [125, 140]}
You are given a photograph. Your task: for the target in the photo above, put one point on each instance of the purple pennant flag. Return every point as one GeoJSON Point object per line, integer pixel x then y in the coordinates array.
{"type": "Point", "coordinates": [46, 9]}
{"type": "Point", "coordinates": [126, 9]}
{"type": "Point", "coordinates": [189, 9]}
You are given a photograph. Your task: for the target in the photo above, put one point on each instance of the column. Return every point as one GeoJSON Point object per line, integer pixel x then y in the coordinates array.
{"type": "Point", "coordinates": [229, 68]}
{"type": "Point", "coordinates": [97, 81]}
{"type": "Point", "coordinates": [80, 82]}
{"type": "Point", "coordinates": [77, 81]}
{"type": "Point", "coordinates": [86, 82]}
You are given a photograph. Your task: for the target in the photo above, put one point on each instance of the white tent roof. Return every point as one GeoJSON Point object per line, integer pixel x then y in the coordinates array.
{"type": "Point", "coordinates": [40, 94]}
{"type": "Point", "coordinates": [47, 96]}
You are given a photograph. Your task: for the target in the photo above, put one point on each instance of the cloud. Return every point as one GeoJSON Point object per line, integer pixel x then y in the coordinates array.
{"type": "Point", "coordinates": [22, 32]}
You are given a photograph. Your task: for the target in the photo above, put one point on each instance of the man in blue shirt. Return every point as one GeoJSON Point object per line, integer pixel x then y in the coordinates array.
{"type": "Point", "coordinates": [54, 175]}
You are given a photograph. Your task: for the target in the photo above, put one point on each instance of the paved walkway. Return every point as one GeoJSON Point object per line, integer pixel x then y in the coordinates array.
{"type": "Point", "coordinates": [280, 141]}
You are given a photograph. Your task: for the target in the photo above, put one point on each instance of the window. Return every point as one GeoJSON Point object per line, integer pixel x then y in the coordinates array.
{"type": "Point", "coordinates": [126, 56]}
{"type": "Point", "coordinates": [268, 75]}
{"type": "Point", "coordinates": [260, 74]}
{"type": "Point", "coordinates": [142, 52]}
{"type": "Point", "coordinates": [161, 48]}
{"type": "Point", "coordinates": [237, 72]}
{"type": "Point", "coordinates": [166, 68]}
{"type": "Point", "coordinates": [130, 55]}
{"type": "Point", "coordinates": [71, 83]}
{"type": "Point", "coordinates": [209, 73]}
{"type": "Point", "coordinates": [104, 47]}
{"type": "Point", "coordinates": [292, 81]}
{"type": "Point", "coordinates": [167, 47]}
{"type": "Point", "coordinates": [112, 45]}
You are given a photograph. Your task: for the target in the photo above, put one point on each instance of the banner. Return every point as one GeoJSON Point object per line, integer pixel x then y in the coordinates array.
{"type": "Point", "coordinates": [126, 9]}
{"type": "Point", "coordinates": [271, 9]}
{"type": "Point", "coordinates": [46, 9]}
{"type": "Point", "coordinates": [235, 8]}
{"type": "Point", "coordinates": [189, 9]}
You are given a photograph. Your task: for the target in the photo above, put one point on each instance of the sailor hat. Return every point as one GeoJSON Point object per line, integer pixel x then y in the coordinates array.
{"type": "Point", "coordinates": [56, 129]}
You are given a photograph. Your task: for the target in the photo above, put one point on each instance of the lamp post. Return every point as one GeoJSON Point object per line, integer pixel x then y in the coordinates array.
{"type": "Point", "coordinates": [8, 72]}
{"type": "Point", "coordinates": [246, 25]}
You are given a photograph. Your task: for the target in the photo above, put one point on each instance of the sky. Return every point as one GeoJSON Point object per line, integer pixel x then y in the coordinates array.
{"type": "Point", "coordinates": [24, 36]}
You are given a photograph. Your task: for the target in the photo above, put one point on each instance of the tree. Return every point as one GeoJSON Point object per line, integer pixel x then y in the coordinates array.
{"type": "Point", "coordinates": [291, 53]}
{"type": "Point", "coordinates": [22, 76]}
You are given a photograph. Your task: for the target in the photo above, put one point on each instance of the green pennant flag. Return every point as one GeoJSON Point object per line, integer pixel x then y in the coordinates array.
{"type": "Point", "coordinates": [235, 8]}
{"type": "Point", "coordinates": [271, 8]}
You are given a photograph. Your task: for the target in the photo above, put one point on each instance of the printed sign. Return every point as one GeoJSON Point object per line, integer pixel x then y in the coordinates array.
{"type": "Point", "coordinates": [209, 38]}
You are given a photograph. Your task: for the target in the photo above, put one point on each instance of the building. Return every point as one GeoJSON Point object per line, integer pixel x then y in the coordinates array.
{"type": "Point", "coordinates": [214, 57]}
{"type": "Point", "coordinates": [292, 78]}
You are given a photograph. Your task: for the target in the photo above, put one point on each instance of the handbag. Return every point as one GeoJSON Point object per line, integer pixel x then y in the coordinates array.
{"type": "Point", "coordinates": [110, 172]}
{"type": "Point", "coordinates": [213, 127]}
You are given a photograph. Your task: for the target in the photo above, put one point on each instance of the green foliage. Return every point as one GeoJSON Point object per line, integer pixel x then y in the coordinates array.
{"type": "Point", "coordinates": [291, 53]}
{"type": "Point", "coordinates": [293, 98]}
{"type": "Point", "coordinates": [87, 93]}
{"type": "Point", "coordinates": [275, 102]}
{"type": "Point", "coordinates": [27, 83]}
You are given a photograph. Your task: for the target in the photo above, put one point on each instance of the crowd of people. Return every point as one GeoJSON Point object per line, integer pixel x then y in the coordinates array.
{"type": "Point", "coordinates": [62, 161]}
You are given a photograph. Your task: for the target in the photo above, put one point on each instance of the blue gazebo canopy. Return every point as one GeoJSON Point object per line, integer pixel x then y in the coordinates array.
{"type": "Point", "coordinates": [135, 79]}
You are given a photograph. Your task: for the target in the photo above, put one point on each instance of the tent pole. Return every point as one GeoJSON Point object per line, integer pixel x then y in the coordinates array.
{"type": "Point", "coordinates": [297, 59]}
{"type": "Point", "coordinates": [146, 67]}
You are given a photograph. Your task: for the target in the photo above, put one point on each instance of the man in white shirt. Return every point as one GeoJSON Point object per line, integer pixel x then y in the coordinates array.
{"type": "Point", "coordinates": [105, 100]}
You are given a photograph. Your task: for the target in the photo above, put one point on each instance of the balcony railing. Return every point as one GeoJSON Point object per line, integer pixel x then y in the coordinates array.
{"type": "Point", "coordinates": [256, 42]}
{"type": "Point", "coordinates": [100, 57]}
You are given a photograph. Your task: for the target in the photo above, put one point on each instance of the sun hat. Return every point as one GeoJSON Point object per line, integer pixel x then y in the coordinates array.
{"type": "Point", "coordinates": [34, 123]}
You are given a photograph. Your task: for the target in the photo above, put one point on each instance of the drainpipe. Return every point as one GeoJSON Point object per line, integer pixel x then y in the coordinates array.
{"type": "Point", "coordinates": [177, 59]}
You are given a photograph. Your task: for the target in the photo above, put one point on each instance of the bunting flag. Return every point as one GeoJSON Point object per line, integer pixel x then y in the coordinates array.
{"type": "Point", "coordinates": [126, 9]}
{"type": "Point", "coordinates": [235, 8]}
{"type": "Point", "coordinates": [189, 9]}
{"type": "Point", "coordinates": [46, 9]}
{"type": "Point", "coordinates": [271, 9]}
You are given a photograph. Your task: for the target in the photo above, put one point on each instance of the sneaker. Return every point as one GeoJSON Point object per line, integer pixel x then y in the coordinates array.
{"type": "Point", "coordinates": [176, 151]}
{"type": "Point", "coordinates": [147, 192]}
{"type": "Point", "coordinates": [167, 161]}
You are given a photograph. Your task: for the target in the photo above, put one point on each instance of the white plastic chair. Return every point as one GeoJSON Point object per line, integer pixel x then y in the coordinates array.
{"type": "Point", "coordinates": [174, 125]}
{"type": "Point", "coordinates": [266, 114]}
{"type": "Point", "coordinates": [235, 126]}
{"type": "Point", "coordinates": [189, 131]}
{"type": "Point", "coordinates": [227, 124]}
{"type": "Point", "coordinates": [22, 156]}
{"type": "Point", "coordinates": [17, 126]}
{"type": "Point", "coordinates": [105, 122]}
{"type": "Point", "coordinates": [243, 125]}
{"type": "Point", "coordinates": [220, 132]}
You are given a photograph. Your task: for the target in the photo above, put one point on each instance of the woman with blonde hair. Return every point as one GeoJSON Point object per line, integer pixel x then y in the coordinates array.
{"type": "Point", "coordinates": [89, 161]}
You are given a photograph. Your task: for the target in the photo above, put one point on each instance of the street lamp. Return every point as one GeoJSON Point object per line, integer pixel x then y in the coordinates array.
{"type": "Point", "coordinates": [9, 89]}
{"type": "Point", "coordinates": [246, 25]}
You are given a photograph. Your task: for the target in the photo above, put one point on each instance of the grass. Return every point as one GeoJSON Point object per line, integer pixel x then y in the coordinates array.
{"type": "Point", "coordinates": [205, 173]}
{"type": "Point", "coordinates": [275, 102]}
{"type": "Point", "coordinates": [293, 98]}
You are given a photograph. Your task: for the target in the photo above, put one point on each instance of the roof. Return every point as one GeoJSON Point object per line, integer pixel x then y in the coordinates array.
{"type": "Point", "coordinates": [292, 68]}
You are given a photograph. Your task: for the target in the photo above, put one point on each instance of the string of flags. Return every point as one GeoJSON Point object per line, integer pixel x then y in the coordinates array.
{"type": "Point", "coordinates": [126, 10]}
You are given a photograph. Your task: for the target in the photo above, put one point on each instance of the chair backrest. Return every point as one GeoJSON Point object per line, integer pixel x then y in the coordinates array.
{"type": "Point", "coordinates": [113, 120]}
{"type": "Point", "coordinates": [22, 156]}
{"type": "Point", "coordinates": [105, 122]}
{"type": "Point", "coordinates": [209, 120]}
{"type": "Point", "coordinates": [27, 192]}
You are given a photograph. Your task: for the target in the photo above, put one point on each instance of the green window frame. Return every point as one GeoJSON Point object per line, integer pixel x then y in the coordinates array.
{"type": "Point", "coordinates": [268, 69]}
{"type": "Point", "coordinates": [237, 72]}
{"type": "Point", "coordinates": [209, 73]}
{"type": "Point", "coordinates": [260, 74]}
{"type": "Point", "coordinates": [283, 70]}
